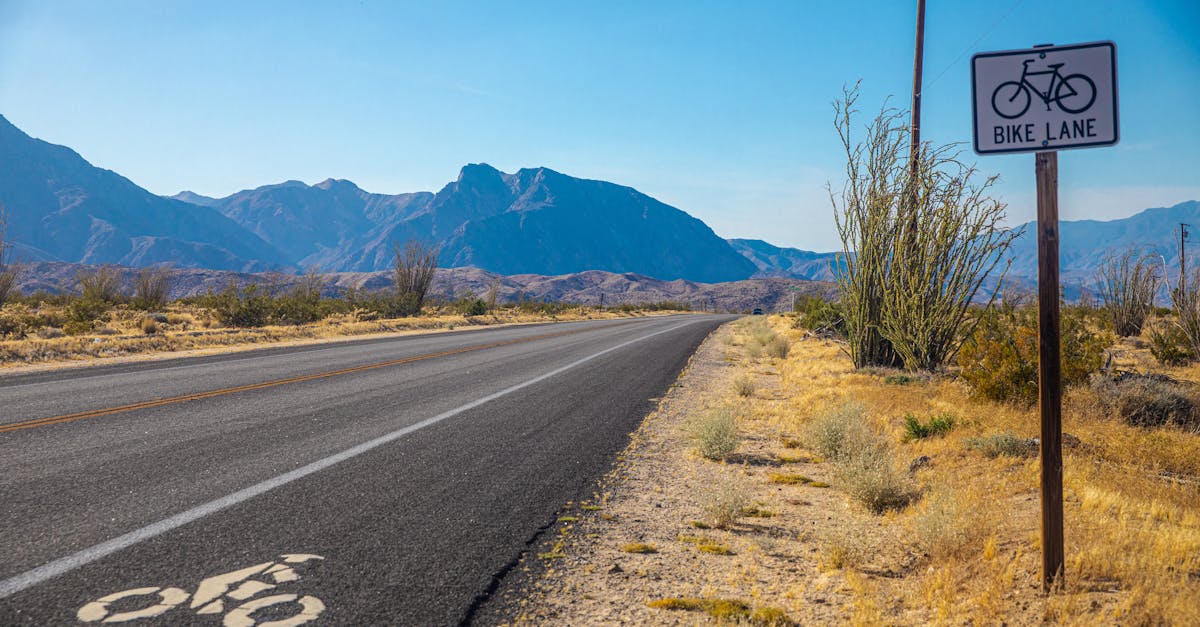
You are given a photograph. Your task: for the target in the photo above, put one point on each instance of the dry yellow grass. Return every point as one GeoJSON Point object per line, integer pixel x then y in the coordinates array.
{"type": "Point", "coordinates": [1133, 534]}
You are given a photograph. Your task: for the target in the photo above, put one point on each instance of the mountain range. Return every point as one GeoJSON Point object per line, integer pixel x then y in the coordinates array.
{"type": "Point", "coordinates": [535, 221]}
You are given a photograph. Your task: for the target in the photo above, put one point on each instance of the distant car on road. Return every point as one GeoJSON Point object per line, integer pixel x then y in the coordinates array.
{"type": "Point", "coordinates": [757, 311]}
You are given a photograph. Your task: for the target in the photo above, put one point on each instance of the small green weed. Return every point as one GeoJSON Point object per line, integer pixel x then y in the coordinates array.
{"type": "Point", "coordinates": [940, 424]}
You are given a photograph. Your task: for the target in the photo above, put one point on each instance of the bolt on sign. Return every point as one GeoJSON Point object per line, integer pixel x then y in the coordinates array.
{"type": "Point", "coordinates": [1045, 98]}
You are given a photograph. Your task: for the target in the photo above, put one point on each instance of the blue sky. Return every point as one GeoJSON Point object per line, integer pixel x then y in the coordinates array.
{"type": "Point", "coordinates": [722, 109]}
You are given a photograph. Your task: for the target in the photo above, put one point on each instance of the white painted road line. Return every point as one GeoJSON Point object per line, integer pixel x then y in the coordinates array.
{"type": "Point", "coordinates": [63, 565]}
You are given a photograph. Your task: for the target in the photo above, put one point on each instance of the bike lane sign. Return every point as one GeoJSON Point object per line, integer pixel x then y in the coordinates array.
{"type": "Point", "coordinates": [1045, 98]}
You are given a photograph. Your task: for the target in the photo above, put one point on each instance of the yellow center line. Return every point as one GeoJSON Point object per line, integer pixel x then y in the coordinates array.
{"type": "Point", "coordinates": [96, 413]}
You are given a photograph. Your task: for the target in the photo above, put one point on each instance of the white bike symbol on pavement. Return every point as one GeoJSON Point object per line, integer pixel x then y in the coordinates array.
{"type": "Point", "coordinates": [210, 595]}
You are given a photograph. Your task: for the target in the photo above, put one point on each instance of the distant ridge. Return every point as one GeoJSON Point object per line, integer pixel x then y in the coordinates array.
{"type": "Point", "coordinates": [61, 207]}
{"type": "Point", "coordinates": [534, 221]}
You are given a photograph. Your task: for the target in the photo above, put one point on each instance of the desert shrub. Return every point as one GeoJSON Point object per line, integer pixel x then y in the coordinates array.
{"type": "Point", "coordinates": [1169, 344]}
{"type": "Point", "coordinates": [412, 273]}
{"type": "Point", "coordinates": [1186, 299]}
{"type": "Point", "coordinates": [744, 386]}
{"type": "Point", "coordinates": [85, 310]}
{"type": "Point", "coordinates": [150, 288]}
{"type": "Point", "coordinates": [819, 316]}
{"type": "Point", "coordinates": [919, 237]}
{"type": "Point", "coordinates": [149, 325]}
{"type": "Point", "coordinates": [867, 471]}
{"type": "Point", "coordinates": [778, 347]}
{"type": "Point", "coordinates": [470, 305]}
{"type": "Point", "coordinates": [77, 327]}
{"type": "Point", "coordinates": [715, 433]}
{"type": "Point", "coordinates": [302, 303]}
{"type": "Point", "coordinates": [244, 307]}
{"type": "Point", "coordinates": [864, 464]}
{"type": "Point", "coordinates": [11, 326]}
{"type": "Point", "coordinates": [102, 283]}
{"type": "Point", "coordinates": [1127, 284]}
{"type": "Point", "coordinates": [914, 429]}
{"type": "Point", "coordinates": [723, 502]}
{"type": "Point", "coordinates": [1147, 400]}
{"type": "Point", "coordinates": [999, 361]}
{"type": "Point", "coordinates": [945, 527]}
{"type": "Point", "coordinates": [831, 429]}
{"type": "Point", "coordinates": [8, 270]}
{"type": "Point", "coordinates": [1003, 444]}
{"type": "Point", "coordinates": [50, 333]}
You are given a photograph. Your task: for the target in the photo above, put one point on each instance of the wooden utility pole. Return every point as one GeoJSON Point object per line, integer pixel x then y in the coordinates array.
{"type": "Point", "coordinates": [914, 149]}
{"type": "Point", "coordinates": [1049, 367]}
{"type": "Point", "coordinates": [1182, 260]}
{"type": "Point", "coordinates": [918, 62]}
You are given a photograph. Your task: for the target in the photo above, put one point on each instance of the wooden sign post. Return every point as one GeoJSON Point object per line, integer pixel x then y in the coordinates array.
{"type": "Point", "coordinates": [1049, 369]}
{"type": "Point", "coordinates": [1043, 100]}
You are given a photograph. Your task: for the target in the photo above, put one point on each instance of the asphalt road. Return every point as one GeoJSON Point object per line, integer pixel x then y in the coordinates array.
{"type": "Point", "coordinates": [384, 481]}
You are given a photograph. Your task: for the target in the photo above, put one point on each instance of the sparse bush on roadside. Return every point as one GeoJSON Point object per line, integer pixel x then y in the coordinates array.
{"type": "Point", "coordinates": [820, 316]}
{"type": "Point", "coordinates": [244, 307]}
{"type": "Point", "coordinates": [149, 325]}
{"type": "Point", "coordinates": [1169, 345]}
{"type": "Point", "coordinates": [945, 527]}
{"type": "Point", "coordinates": [412, 274]}
{"type": "Point", "coordinates": [831, 429]}
{"type": "Point", "coordinates": [868, 473]}
{"type": "Point", "coordinates": [77, 327]}
{"type": "Point", "coordinates": [84, 311]}
{"type": "Point", "coordinates": [470, 305]}
{"type": "Point", "coordinates": [150, 288]}
{"type": "Point", "coordinates": [8, 270]}
{"type": "Point", "coordinates": [301, 304]}
{"type": "Point", "coordinates": [744, 386]}
{"type": "Point", "coordinates": [715, 433]}
{"type": "Point", "coordinates": [940, 424]}
{"type": "Point", "coordinates": [778, 347]}
{"type": "Point", "coordinates": [1000, 360]}
{"type": "Point", "coordinates": [864, 464]}
{"type": "Point", "coordinates": [1147, 400]}
{"type": "Point", "coordinates": [1003, 444]}
{"type": "Point", "coordinates": [1127, 283]}
{"type": "Point", "coordinates": [101, 283]}
{"type": "Point", "coordinates": [1186, 300]}
{"type": "Point", "coordinates": [724, 501]}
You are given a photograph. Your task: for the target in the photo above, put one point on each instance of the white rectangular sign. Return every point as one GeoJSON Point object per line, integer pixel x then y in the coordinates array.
{"type": "Point", "coordinates": [1045, 98]}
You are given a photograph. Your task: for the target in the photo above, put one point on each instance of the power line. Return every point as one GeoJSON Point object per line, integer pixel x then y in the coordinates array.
{"type": "Point", "coordinates": [976, 43]}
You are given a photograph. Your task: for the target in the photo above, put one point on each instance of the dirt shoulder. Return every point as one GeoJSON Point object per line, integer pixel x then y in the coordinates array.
{"type": "Point", "coordinates": [961, 546]}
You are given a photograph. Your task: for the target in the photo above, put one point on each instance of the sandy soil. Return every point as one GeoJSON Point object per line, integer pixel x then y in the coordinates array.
{"type": "Point", "coordinates": [655, 496]}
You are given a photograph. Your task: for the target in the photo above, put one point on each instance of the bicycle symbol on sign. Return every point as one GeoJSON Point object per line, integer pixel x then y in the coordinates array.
{"type": "Point", "coordinates": [210, 598]}
{"type": "Point", "coordinates": [1073, 93]}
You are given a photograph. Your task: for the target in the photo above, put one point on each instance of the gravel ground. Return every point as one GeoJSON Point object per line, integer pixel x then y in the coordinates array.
{"type": "Point", "coordinates": [656, 496]}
